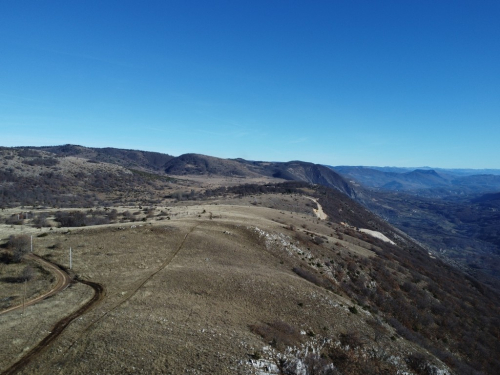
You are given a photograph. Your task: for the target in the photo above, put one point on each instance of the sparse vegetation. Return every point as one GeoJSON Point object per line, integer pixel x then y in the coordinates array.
{"type": "Point", "coordinates": [278, 334]}
{"type": "Point", "coordinates": [214, 275]}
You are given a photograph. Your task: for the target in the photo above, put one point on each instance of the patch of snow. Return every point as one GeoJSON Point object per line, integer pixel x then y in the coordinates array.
{"type": "Point", "coordinates": [378, 235]}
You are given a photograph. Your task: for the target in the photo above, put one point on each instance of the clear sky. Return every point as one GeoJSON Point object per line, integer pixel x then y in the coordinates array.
{"type": "Point", "coordinates": [388, 83]}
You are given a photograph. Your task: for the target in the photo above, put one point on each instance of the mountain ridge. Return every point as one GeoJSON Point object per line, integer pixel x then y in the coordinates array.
{"type": "Point", "coordinates": [199, 164]}
{"type": "Point", "coordinates": [426, 182]}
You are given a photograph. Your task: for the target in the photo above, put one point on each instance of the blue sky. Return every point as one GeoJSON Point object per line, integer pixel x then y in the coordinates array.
{"type": "Point", "coordinates": [388, 83]}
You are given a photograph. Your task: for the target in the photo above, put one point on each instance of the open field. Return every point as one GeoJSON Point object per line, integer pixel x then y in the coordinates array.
{"type": "Point", "coordinates": [182, 293]}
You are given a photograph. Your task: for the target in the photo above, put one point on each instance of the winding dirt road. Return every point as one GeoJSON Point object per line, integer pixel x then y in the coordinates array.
{"type": "Point", "coordinates": [57, 329]}
{"type": "Point", "coordinates": [63, 280]}
{"type": "Point", "coordinates": [99, 293]}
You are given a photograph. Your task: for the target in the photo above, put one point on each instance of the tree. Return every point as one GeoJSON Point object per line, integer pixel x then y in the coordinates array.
{"type": "Point", "coordinates": [27, 273]}
{"type": "Point", "coordinates": [41, 220]}
{"type": "Point", "coordinates": [19, 245]}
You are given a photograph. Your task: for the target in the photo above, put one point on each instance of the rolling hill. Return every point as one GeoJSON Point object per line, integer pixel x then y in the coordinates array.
{"type": "Point", "coordinates": [196, 164]}
{"type": "Point", "coordinates": [229, 276]}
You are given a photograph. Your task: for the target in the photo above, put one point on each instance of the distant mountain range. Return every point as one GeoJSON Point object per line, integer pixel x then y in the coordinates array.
{"type": "Point", "coordinates": [454, 212]}
{"type": "Point", "coordinates": [425, 182]}
{"type": "Point", "coordinates": [454, 171]}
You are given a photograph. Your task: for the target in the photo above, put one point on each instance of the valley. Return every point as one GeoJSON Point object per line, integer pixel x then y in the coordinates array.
{"type": "Point", "coordinates": [453, 213]}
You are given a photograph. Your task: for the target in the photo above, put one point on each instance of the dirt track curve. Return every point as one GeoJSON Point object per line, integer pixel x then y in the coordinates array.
{"type": "Point", "coordinates": [318, 211]}
{"type": "Point", "coordinates": [59, 326]}
{"type": "Point", "coordinates": [98, 296]}
{"type": "Point", "coordinates": [63, 280]}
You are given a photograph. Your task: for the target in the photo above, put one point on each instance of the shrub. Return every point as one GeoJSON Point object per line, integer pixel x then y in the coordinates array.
{"type": "Point", "coordinates": [41, 220]}
{"type": "Point", "coordinates": [309, 276]}
{"type": "Point", "coordinates": [19, 245]}
{"type": "Point", "coordinates": [352, 339]}
{"type": "Point", "coordinates": [318, 240]}
{"type": "Point", "coordinates": [420, 364]}
{"type": "Point", "coordinates": [70, 219]}
{"type": "Point", "coordinates": [27, 274]}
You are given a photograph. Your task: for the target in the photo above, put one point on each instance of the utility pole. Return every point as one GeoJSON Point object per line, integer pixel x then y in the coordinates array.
{"type": "Point", "coordinates": [31, 243]}
{"type": "Point", "coordinates": [24, 295]}
{"type": "Point", "coordinates": [70, 259]}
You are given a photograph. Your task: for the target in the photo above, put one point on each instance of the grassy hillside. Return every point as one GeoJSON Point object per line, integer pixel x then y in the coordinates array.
{"type": "Point", "coordinates": [215, 275]}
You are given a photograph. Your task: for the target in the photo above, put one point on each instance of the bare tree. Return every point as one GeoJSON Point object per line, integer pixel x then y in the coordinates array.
{"type": "Point", "coordinates": [27, 273]}
{"type": "Point", "coordinates": [19, 245]}
{"type": "Point", "coordinates": [41, 220]}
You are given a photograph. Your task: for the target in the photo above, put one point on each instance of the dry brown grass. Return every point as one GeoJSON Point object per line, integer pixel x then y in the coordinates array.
{"type": "Point", "coordinates": [12, 288]}
{"type": "Point", "coordinates": [180, 294]}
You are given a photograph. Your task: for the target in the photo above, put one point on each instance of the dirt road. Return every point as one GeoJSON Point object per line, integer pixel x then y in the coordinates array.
{"type": "Point", "coordinates": [319, 211]}
{"type": "Point", "coordinates": [62, 282]}
{"type": "Point", "coordinates": [58, 329]}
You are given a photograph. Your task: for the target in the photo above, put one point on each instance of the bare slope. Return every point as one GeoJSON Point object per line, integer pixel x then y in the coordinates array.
{"type": "Point", "coordinates": [207, 296]}
{"type": "Point", "coordinates": [233, 286]}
